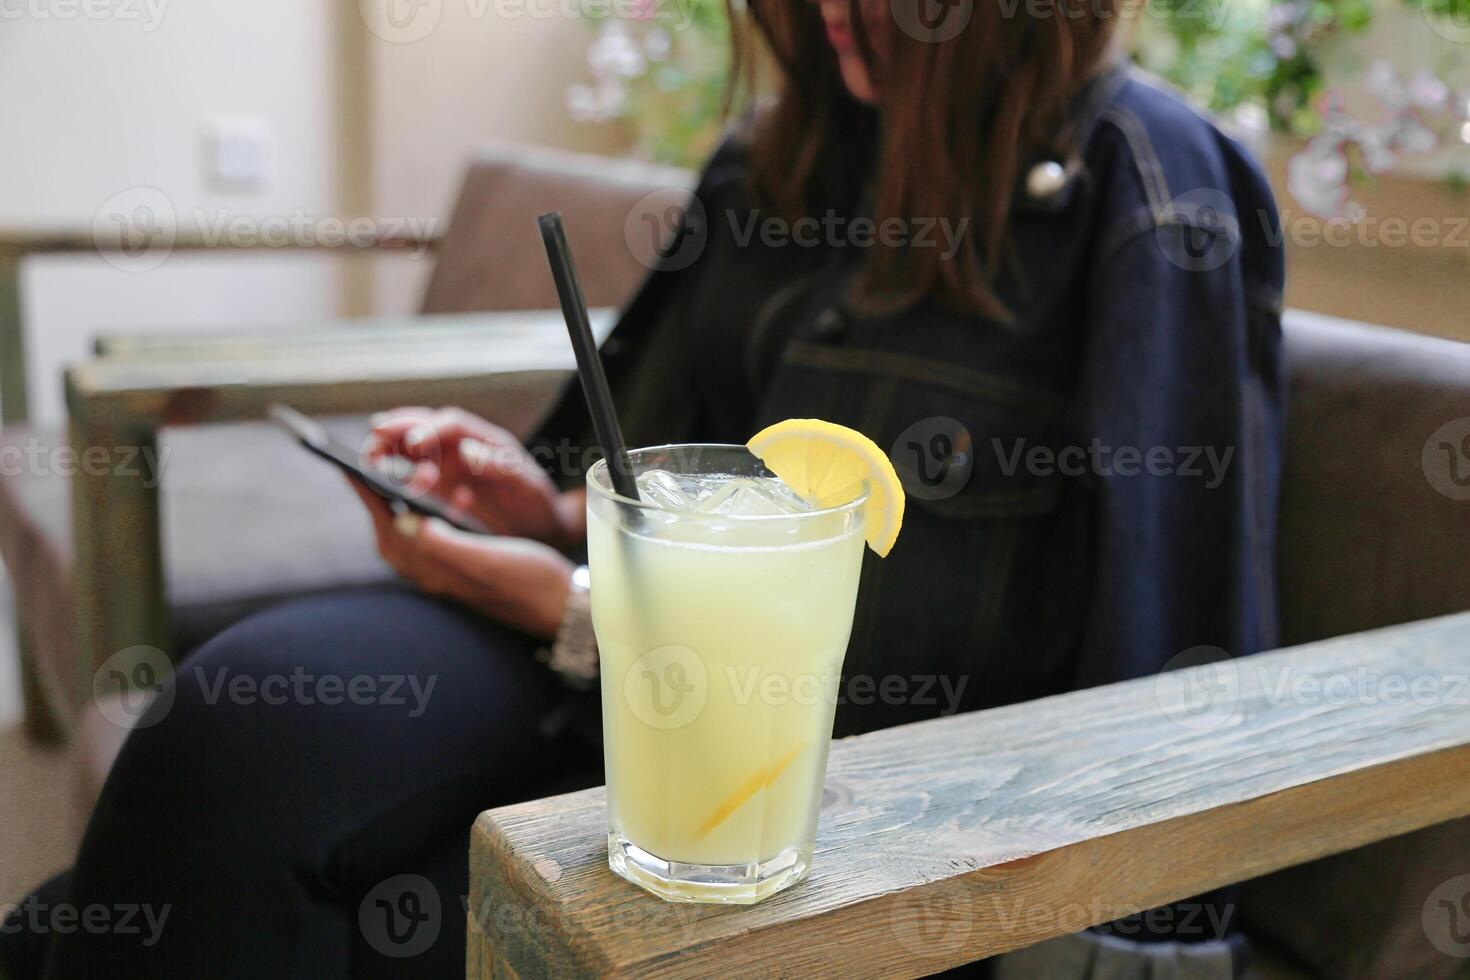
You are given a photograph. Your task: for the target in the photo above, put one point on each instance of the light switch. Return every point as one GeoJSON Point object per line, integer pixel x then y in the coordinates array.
{"type": "Point", "coordinates": [238, 152]}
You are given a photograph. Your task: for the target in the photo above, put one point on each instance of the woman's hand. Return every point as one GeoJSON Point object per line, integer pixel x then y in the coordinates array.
{"type": "Point", "coordinates": [482, 469]}
{"type": "Point", "coordinates": [515, 581]}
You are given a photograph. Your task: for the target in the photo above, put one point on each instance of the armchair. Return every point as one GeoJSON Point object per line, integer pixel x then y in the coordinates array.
{"type": "Point", "coordinates": [137, 561]}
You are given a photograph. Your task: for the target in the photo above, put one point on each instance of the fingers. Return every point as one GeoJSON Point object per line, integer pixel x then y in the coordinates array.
{"type": "Point", "coordinates": [506, 457]}
{"type": "Point", "coordinates": [419, 435]}
{"type": "Point", "coordinates": [404, 415]}
{"type": "Point", "coordinates": [445, 445]}
{"type": "Point", "coordinates": [477, 466]}
{"type": "Point", "coordinates": [438, 542]}
{"type": "Point", "coordinates": [423, 479]}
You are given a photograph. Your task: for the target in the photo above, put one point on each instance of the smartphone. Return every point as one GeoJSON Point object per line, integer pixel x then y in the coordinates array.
{"type": "Point", "coordinates": [381, 481]}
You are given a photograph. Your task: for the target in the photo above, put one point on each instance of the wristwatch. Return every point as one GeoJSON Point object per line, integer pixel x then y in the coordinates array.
{"type": "Point", "coordinates": [574, 652]}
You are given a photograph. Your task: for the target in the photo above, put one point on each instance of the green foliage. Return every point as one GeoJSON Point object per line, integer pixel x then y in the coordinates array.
{"type": "Point", "coordinates": [1456, 11]}
{"type": "Point", "coordinates": [1229, 53]}
{"type": "Point", "coordinates": [685, 94]}
{"type": "Point", "coordinates": [1224, 54]}
{"type": "Point", "coordinates": [672, 93]}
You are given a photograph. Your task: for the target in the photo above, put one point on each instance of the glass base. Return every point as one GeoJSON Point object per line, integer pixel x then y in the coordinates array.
{"type": "Point", "coordinates": [722, 884]}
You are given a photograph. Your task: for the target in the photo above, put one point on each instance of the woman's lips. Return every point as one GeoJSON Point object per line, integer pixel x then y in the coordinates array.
{"type": "Point", "coordinates": [839, 35]}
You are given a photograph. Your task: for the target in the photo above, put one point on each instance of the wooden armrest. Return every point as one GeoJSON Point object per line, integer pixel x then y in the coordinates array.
{"type": "Point", "coordinates": [351, 366]}
{"type": "Point", "coordinates": [953, 840]}
{"type": "Point", "coordinates": [357, 235]}
{"type": "Point", "coordinates": [366, 234]}
{"type": "Point", "coordinates": [506, 366]}
{"type": "Point", "coordinates": [439, 331]}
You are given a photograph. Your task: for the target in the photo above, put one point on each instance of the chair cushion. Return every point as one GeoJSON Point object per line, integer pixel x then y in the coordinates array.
{"type": "Point", "coordinates": [492, 257]}
{"type": "Point", "coordinates": [35, 524]}
{"type": "Point", "coordinates": [1369, 536]}
{"type": "Point", "coordinates": [1373, 533]}
{"type": "Point", "coordinates": [1370, 912]}
{"type": "Point", "coordinates": [249, 518]}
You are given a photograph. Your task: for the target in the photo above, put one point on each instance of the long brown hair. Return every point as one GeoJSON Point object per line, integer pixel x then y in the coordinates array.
{"type": "Point", "coordinates": [957, 119]}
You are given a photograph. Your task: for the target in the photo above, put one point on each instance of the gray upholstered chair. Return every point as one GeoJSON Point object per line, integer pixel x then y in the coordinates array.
{"type": "Point", "coordinates": [246, 518]}
{"type": "Point", "coordinates": [1369, 538]}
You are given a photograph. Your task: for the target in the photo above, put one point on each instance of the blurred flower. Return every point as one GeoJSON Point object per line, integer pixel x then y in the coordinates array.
{"type": "Point", "coordinates": [615, 53]}
{"type": "Point", "coordinates": [1317, 178]}
{"type": "Point", "coordinates": [661, 74]}
{"type": "Point", "coordinates": [1284, 46]}
{"type": "Point", "coordinates": [1420, 114]}
{"type": "Point", "coordinates": [1418, 138]}
{"type": "Point", "coordinates": [1252, 118]}
{"type": "Point", "coordinates": [657, 44]}
{"type": "Point", "coordinates": [605, 101]}
{"type": "Point", "coordinates": [1376, 152]}
{"type": "Point", "coordinates": [1382, 81]}
{"type": "Point", "coordinates": [1428, 92]}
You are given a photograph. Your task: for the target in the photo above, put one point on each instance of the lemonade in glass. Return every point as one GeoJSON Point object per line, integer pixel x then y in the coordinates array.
{"type": "Point", "coordinates": [722, 601]}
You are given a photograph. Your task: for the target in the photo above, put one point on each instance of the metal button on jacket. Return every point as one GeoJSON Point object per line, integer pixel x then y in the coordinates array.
{"type": "Point", "coordinates": [1046, 179]}
{"type": "Point", "coordinates": [831, 324]}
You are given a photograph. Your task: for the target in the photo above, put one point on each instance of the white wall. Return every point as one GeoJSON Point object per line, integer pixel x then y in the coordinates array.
{"type": "Point", "coordinates": [96, 107]}
{"type": "Point", "coordinates": [467, 72]}
{"type": "Point", "coordinates": [71, 298]}
{"type": "Point", "coordinates": [364, 118]}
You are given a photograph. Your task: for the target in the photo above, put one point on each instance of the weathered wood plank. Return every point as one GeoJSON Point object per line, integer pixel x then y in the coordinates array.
{"type": "Point", "coordinates": [953, 840]}
{"type": "Point", "coordinates": [360, 333]}
{"type": "Point", "coordinates": [459, 351]}
{"type": "Point", "coordinates": [13, 407]}
{"type": "Point", "coordinates": [117, 562]}
{"type": "Point", "coordinates": [57, 241]}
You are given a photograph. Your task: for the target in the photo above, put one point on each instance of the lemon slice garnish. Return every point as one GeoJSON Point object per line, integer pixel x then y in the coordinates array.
{"type": "Point", "coordinates": [827, 464]}
{"type": "Point", "coordinates": [757, 782]}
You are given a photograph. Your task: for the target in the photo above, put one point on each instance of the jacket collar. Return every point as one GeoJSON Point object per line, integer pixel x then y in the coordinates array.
{"type": "Point", "coordinates": [1048, 184]}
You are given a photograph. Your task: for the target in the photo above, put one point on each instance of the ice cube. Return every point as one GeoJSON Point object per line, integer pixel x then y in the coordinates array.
{"type": "Point", "coordinates": [747, 497]}
{"type": "Point", "coordinates": [719, 493]}
{"type": "Point", "coordinates": [665, 490]}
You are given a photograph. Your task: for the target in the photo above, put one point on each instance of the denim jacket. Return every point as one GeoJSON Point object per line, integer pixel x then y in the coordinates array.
{"type": "Point", "coordinates": [1092, 486]}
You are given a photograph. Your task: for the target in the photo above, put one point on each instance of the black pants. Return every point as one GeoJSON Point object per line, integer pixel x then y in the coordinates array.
{"type": "Point", "coordinates": [302, 806]}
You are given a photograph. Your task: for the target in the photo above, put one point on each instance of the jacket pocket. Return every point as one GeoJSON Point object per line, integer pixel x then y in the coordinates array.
{"type": "Point", "coordinates": [971, 566]}
{"type": "Point", "coordinates": [965, 443]}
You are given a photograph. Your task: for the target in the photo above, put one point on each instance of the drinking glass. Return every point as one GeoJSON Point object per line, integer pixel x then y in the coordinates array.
{"type": "Point", "coordinates": [721, 634]}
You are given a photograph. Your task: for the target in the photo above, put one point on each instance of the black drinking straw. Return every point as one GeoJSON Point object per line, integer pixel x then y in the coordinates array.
{"type": "Point", "coordinates": [589, 364]}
